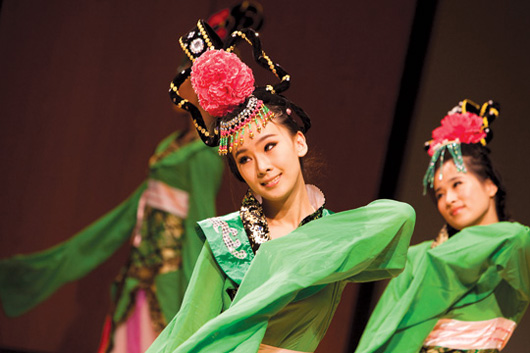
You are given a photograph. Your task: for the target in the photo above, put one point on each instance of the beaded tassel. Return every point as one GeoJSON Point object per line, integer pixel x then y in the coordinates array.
{"type": "Point", "coordinates": [232, 131]}
{"type": "Point", "coordinates": [456, 152]}
{"type": "Point", "coordinates": [250, 133]}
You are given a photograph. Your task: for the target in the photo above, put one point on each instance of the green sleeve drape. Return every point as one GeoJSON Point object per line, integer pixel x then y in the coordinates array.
{"type": "Point", "coordinates": [205, 172]}
{"type": "Point", "coordinates": [452, 278]}
{"type": "Point", "coordinates": [27, 280]}
{"type": "Point", "coordinates": [368, 243]}
{"type": "Point", "coordinates": [205, 298]}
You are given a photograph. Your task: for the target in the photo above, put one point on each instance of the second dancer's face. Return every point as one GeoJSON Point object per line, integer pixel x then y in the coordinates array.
{"type": "Point", "coordinates": [463, 199]}
{"type": "Point", "coordinates": [269, 162]}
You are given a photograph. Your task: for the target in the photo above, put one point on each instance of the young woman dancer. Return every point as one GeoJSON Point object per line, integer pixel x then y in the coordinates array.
{"type": "Point", "coordinates": [270, 276]}
{"type": "Point", "coordinates": [466, 290]}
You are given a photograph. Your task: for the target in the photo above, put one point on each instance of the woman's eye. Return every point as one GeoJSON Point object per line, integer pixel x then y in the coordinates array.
{"type": "Point", "coordinates": [269, 146]}
{"type": "Point", "coordinates": [456, 183]}
{"type": "Point", "coordinates": [438, 196]}
{"type": "Point", "coordinates": [242, 160]}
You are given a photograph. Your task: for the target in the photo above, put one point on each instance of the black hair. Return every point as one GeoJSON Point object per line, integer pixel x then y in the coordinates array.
{"type": "Point", "coordinates": [477, 160]}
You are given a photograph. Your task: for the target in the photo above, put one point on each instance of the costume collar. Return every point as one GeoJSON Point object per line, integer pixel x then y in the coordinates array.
{"type": "Point", "coordinates": [254, 220]}
{"type": "Point", "coordinates": [442, 237]}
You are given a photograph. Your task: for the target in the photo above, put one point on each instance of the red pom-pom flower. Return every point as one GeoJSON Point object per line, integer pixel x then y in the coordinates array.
{"type": "Point", "coordinates": [466, 128]}
{"type": "Point", "coordinates": [222, 81]}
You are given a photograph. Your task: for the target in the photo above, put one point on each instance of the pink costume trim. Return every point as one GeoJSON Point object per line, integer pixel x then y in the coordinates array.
{"type": "Point", "coordinates": [488, 334]}
{"type": "Point", "coordinates": [136, 334]}
{"type": "Point", "coordinates": [264, 348]}
{"type": "Point", "coordinates": [162, 197]}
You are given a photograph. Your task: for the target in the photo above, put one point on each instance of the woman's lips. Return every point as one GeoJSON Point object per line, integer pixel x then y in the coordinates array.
{"type": "Point", "coordinates": [271, 182]}
{"type": "Point", "coordinates": [455, 211]}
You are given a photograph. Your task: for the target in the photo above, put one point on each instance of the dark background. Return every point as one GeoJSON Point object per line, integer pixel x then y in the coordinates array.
{"type": "Point", "coordinates": [83, 103]}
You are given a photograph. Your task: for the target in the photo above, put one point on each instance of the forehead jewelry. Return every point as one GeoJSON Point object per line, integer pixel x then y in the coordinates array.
{"type": "Point", "coordinates": [439, 155]}
{"type": "Point", "coordinates": [232, 131]}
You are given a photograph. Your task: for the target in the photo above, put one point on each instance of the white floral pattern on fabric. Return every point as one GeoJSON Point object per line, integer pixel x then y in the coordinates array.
{"type": "Point", "coordinates": [227, 234]}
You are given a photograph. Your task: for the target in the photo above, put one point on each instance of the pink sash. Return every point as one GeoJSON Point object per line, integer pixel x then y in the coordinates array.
{"type": "Point", "coordinates": [488, 334]}
{"type": "Point", "coordinates": [162, 197]}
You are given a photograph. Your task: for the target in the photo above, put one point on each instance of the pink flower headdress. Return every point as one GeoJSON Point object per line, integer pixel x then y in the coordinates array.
{"type": "Point", "coordinates": [463, 127]}
{"type": "Point", "coordinates": [225, 86]}
{"type": "Point", "coordinates": [222, 81]}
{"type": "Point", "coordinates": [465, 123]}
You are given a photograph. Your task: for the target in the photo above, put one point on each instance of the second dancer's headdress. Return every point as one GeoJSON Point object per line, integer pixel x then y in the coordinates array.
{"type": "Point", "coordinates": [225, 87]}
{"type": "Point", "coordinates": [467, 123]}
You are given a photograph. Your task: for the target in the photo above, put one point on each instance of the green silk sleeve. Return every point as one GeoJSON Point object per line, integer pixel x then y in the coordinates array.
{"type": "Point", "coordinates": [205, 299]}
{"type": "Point", "coordinates": [464, 270]}
{"type": "Point", "coordinates": [364, 244]}
{"type": "Point", "coordinates": [206, 171]}
{"type": "Point", "coordinates": [27, 280]}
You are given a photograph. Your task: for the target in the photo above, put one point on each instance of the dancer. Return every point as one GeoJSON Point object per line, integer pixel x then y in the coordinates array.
{"type": "Point", "coordinates": [270, 276]}
{"type": "Point", "coordinates": [466, 290]}
{"type": "Point", "coordinates": [159, 219]}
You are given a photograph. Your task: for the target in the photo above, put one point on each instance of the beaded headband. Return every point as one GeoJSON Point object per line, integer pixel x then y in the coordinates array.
{"type": "Point", "coordinates": [225, 84]}
{"type": "Point", "coordinates": [469, 123]}
{"type": "Point", "coordinates": [232, 131]}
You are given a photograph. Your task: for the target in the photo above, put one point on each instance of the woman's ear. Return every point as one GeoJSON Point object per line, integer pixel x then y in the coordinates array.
{"type": "Point", "coordinates": [491, 188]}
{"type": "Point", "coordinates": [300, 144]}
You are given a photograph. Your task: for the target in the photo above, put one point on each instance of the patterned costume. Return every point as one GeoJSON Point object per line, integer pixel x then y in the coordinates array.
{"type": "Point", "coordinates": [160, 215]}
{"type": "Point", "coordinates": [287, 291]}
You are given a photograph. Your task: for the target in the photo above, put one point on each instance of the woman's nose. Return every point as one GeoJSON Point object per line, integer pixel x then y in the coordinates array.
{"type": "Point", "coordinates": [262, 165]}
{"type": "Point", "coordinates": [450, 196]}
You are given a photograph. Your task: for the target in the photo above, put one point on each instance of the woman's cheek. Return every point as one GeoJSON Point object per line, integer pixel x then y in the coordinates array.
{"type": "Point", "coordinates": [243, 170]}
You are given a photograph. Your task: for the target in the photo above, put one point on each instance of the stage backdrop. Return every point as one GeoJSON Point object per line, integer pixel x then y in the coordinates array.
{"type": "Point", "coordinates": [84, 102]}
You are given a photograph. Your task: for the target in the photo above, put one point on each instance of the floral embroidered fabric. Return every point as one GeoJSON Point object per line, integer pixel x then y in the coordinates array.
{"type": "Point", "coordinates": [254, 221]}
{"type": "Point", "coordinates": [441, 238]}
{"type": "Point", "coordinates": [159, 252]}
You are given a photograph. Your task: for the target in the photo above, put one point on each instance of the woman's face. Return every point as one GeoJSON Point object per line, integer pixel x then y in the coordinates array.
{"type": "Point", "coordinates": [463, 199]}
{"type": "Point", "coordinates": [269, 163]}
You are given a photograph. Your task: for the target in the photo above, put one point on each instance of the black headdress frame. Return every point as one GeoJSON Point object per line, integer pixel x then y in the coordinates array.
{"type": "Point", "coordinates": [203, 38]}
{"type": "Point", "coordinates": [489, 111]}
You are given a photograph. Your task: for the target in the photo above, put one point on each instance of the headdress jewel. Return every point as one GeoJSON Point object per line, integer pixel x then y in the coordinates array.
{"type": "Point", "coordinates": [468, 122]}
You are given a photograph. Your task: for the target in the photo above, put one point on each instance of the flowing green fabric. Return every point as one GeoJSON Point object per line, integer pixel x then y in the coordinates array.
{"type": "Point", "coordinates": [27, 280]}
{"type": "Point", "coordinates": [480, 273]}
{"type": "Point", "coordinates": [365, 244]}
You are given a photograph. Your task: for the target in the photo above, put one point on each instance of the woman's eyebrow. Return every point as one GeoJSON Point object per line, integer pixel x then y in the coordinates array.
{"type": "Point", "coordinates": [261, 138]}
